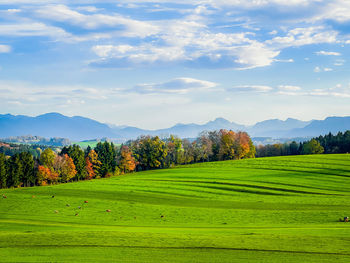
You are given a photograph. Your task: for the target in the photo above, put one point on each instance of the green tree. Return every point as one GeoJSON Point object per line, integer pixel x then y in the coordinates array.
{"type": "Point", "coordinates": [14, 168]}
{"type": "Point", "coordinates": [65, 168]}
{"type": "Point", "coordinates": [188, 151]}
{"type": "Point", "coordinates": [95, 162]}
{"type": "Point", "coordinates": [252, 150]}
{"type": "Point", "coordinates": [28, 177]}
{"type": "Point", "coordinates": [203, 148]}
{"type": "Point", "coordinates": [215, 140]}
{"type": "Point", "coordinates": [3, 171]}
{"type": "Point", "coordinates": [78, 156]}
{"type": "Point", "coordinates": [107, 154]}
{"type": "Point", "coordinates": [293, 148]}
{"type": "Point", "coordinates": [126, 161]}
{"type": "Point", "coordinates": [227, 145]}
{"type": "Point", "coordinates": [150, 152]}
{"type": "Point", "coordinates": [175, 152]}
{"type": "Point", "coordinates": [47, 158]}
{"type": "Point", "coordinates": [312, 147]}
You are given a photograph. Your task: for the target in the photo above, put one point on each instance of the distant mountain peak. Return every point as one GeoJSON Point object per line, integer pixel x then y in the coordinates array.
{"type": "Point", "coordinates": [52, 114]}
{"type": "Point", "coordinates": [76, 128]}
{"type": "Point", "coordinates": [219, 121]}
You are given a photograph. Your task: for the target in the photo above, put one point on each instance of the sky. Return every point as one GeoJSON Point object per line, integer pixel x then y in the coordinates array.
{"type": "Point", "coordinates": [152, 64]}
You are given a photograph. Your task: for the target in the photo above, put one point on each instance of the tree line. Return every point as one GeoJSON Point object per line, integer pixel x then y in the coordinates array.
{"type": "Point", "coordinates": [38, 140]}
{"type": "Point", "coordinates": [339, 143]}
{"type": "Point", "coordinates": [10, 149]}
{"type": "Point", "coordinates": [72, 163]}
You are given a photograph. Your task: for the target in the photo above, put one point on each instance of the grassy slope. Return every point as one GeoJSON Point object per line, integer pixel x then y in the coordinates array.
{"type": "Point", "coordinates": [85, 144]}
{"type": "Point", "coordinates": [283, 209]}
{"type": "Point", "coordinates": [92, 144]}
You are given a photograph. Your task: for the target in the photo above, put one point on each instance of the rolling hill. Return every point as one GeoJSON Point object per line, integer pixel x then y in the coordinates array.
{"type": "Point", "coordinates": [282, 209]}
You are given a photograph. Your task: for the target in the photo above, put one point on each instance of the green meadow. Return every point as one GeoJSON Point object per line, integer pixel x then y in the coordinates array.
{"type": "Point", "coordinates": [280, 209]}
{"type": "Point", "coordinates": [92, 144]}
{"type": "Point", "coordinates": [85, 144]}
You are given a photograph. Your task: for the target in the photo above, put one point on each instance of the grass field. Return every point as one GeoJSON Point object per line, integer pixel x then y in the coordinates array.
{"type": "Point", "coordinates": [282, 209]}
{"type": "Point", "coordinates": [85, 144]}
{"type": "Point", "coordinates": [92, 144]}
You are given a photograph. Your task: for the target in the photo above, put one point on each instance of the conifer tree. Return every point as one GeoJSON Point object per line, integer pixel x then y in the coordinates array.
{"type": "Point", "coordinates": [3, 171]}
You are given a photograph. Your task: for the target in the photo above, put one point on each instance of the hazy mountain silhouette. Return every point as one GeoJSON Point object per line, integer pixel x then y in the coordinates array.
{"type": "Point", "coordinates": [276, 127]}
{"type": "Point", "coordinates": [79, 128]}
{"type": "Point", "coordinates": [322, 127]}
{"type": "Point", "coordinates": [53, 125]}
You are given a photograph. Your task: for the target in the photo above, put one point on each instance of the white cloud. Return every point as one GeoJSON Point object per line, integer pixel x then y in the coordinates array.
{"type": "Point", "coordinates": [339, 62]}
{"type": "Point", "coordinates": [110, 50]}
{"type": "Point", "coordinates": [285, 60]}
{"type": "Point", "coordinates": [144, 54]}
{"type": "Point", "coordinates": [33, 29]}
{"type": "Point", "coordinates": [5, 49]}
{"type": "Point", "coordinates": [255, 55]}
{"type": "Point", "coordinates": [231, 3]}
{"type": "Point", "coordinates": [191, 41]}
{"type": "Point", "coordinates": [289, 88]}
{"type": "Point", "coordinates": [337, 91]}
{"type": "Point", "coordinates": [7, 2]}
{"type": "Point", "coordinates": [193, 44]}
{"type": "Point", "coordinates": [177, 86]}
{"type": "Point", "coordinates": [328, 53]}
{"type": "Point", "coordinates": [62, 13]}
{"type": "Point", "coordinates": [28, 93]}
{"type": "Point", "coordinates": [13, 10]}
{"type": "Point", "coordinates": [251, 88]}
{"type": "Point", "coordinates": [336, 10]}
{"type": "Point", "coordinates": [255, 3]}
{"type": "Point", "coordinates": [90, 9]}
{"type": "Point", "coordinates": [327, 69]}
{"type": "Point", "coordinates": [319, 69]}
{"type": "Point", "coordinates": [304, 36]}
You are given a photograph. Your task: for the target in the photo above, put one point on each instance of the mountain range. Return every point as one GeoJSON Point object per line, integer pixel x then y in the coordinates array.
{"type": "Point", "coordinates": [80, 128]}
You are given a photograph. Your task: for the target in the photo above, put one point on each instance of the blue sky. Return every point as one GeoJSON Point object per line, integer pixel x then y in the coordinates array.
{"type": "Point", "coordinates": [153, 64]}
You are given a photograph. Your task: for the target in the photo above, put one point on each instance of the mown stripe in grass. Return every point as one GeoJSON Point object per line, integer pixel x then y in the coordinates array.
{"type": "Point", "coordinates": [245, 185]}
{"type": "Point", "coordinates": [184, 248]}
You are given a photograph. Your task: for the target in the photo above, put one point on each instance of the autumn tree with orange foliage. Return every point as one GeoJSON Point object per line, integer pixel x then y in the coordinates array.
{"type": "Point", "coordinates": [46, 171]}
{"type": "Point", "coordinates": [227, 145]}
{"type": "Point", "coordinates": [142, 154]}
{"type": "Point", "coordinates": [224, 145]}
{"type": "Point", "coordinates": [241, 145]}
{"type": "Point", "coordinates": [46, 176]}
{"type": "Point", "coordinates": [89, 169]}
{"type": "Point", "coordinates": [93, 164]}
{"type": "Point", "coordinates": [65, 167]}
{"type": "Point", "coordinates": [126, 162]}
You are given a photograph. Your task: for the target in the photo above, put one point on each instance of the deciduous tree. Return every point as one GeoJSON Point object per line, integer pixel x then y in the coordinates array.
{"type": "Point", "coordinates": [126, 162]}
{"type": "Point", "coordinates": [312, 147]}
{"type": "Point", "coordinates": [47, 158]}
{"type": "Point", "coordinates": [95, 162]}
{"type": "Point", "coordinates": [78, 156]}
{"type": "Point", "coordinates": [150, 152]}
{"type": "Point", "coordinates": [65, 168]}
